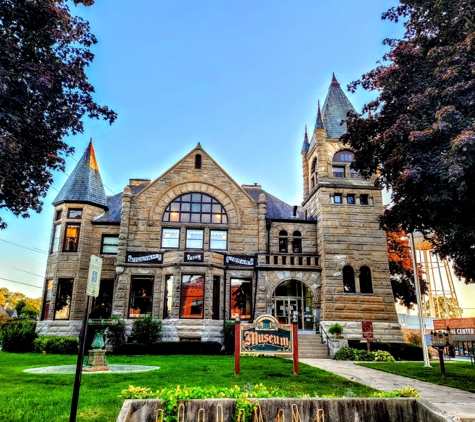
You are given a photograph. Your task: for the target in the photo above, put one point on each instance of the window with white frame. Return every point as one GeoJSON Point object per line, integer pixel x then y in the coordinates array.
{"type": "Point", "coordinates": [194, 238]}
{"type": "Point", "coordinates": [218, 239]}
{"type": "Point", "coordinates": [110, 244]}
{"type": "Point", "coordinates": [170, 238]}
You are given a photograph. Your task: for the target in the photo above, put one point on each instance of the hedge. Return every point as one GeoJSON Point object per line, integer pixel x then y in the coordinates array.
{"type": "Point", "coordinates": [56, 345]}
{"type": "Point", "coordinates": [400, 351]}
{"type": "Point", "coordinates": [18, 336]}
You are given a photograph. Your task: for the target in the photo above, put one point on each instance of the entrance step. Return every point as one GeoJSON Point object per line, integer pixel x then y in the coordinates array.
{"type": "Point", "coordinates": [311, 347]}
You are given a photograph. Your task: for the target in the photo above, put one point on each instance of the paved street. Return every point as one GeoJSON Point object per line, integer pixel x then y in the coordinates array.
{"type": "Point", "coordinates": [456, 403]}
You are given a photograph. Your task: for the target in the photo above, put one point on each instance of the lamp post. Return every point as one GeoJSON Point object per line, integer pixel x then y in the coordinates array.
{"type": "Point", "coordinates": [419, 301]}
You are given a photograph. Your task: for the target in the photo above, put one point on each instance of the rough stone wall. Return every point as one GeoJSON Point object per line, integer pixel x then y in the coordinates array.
{"type": "Point", "coordinates": [349, 234]}
{"type": "Point", "coordinates": [75, 265]}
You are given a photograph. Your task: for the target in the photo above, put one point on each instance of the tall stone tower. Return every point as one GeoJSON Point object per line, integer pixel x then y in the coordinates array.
{"type": "Point", "coordinates": [355, 275]}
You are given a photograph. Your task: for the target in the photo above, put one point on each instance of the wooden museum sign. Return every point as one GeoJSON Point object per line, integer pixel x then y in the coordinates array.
{"type": "Point", "coordinates": [265, 336]}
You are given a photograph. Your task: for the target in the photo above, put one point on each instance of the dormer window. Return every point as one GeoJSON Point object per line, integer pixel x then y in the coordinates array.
{"type": "Point", "coordinates": [341, 165]}
{"type": "Point", "coordinates": [197, 161]}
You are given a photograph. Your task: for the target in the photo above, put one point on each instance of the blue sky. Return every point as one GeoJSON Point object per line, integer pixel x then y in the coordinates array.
{"type": "Point", "coordinates": [241, 77]}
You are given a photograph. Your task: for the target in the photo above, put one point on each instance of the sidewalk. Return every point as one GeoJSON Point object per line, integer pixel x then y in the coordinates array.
{"type": "Point", "coordinates": [455, 403]}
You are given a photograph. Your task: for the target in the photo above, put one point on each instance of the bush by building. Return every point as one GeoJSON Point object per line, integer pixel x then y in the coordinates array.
{"type": "Point", "coordinates": [228, 332]}
{"type": "Point", "coordinates": [18, 336]}
{"type": "Point", "coordinates": [349, 353]}
{"type": "Point", "coordinates": [400, 351]}
{"type": "Point", "coordinates": [56, 345]}
{"type": "Point", "coordinates": [146, 330]}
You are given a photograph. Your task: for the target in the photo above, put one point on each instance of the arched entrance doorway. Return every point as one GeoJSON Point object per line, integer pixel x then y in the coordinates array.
{"type": "Point", "coordinates": [293, 296]}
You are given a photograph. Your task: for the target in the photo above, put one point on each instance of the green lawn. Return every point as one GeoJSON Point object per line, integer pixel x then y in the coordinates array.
{"type": "Point", "coordinates": [41, 397]}
{"type": "Point", "coordinates": [459, 375]}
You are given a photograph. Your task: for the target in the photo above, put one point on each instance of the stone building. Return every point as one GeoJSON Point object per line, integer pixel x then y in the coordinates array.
{"type": "Point", "coordinates": [193, 247]}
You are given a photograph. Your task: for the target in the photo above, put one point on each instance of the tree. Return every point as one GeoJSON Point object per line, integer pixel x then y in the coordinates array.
{"type": "Point", "coordinates": [24, 310]}
{"type": "Point", "coordinates": [11, 300]}
{"type": "Point", "coordinates": [418, 135]}
{"type": "Point", "coordinates": [401, 270]}
{"type": "Point", "coordinates": [44, 94]}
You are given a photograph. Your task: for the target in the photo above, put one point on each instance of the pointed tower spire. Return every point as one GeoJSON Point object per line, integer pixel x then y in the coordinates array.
{"type": "Point", "coordinates": [335, 83]}
{"type": "Point", "coordinates": [334, 110]}
{"type": "Point", "coordinates": [84, 185]}
{"type": "Point", "coordinates": [305, 141]}
{"type": "Point", "coordinates": [319, 122]}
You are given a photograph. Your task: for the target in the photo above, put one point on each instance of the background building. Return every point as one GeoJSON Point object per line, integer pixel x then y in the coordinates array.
{"type": "Point", "coordinates": [193, 247]}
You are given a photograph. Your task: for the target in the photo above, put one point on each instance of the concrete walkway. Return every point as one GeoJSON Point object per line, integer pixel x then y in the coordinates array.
{"type": "Point", "coordinates": [458, 404]}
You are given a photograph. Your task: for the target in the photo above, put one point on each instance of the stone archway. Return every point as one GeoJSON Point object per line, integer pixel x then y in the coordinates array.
{"type": "Point", "coordinates": [293, 296]}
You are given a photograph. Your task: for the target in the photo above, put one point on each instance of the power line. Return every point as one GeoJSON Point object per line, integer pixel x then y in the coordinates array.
{"type": "Point", "coordinates": [37, 275]}
{"type": "Point", "coordinates": [26, 247]}
{"type": "Point", "coordinates": [19, 282]}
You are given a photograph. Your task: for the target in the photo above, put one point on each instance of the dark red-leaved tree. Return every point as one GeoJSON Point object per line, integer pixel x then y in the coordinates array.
{"type": "Point", "coordinates": [44, 94]}
{"type": "Point", "coordinates": [419, 134]}
{"type": "Point", "coordinates": [401, 269]}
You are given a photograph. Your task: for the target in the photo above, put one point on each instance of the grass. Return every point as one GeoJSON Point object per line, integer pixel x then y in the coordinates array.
{"type": "Point", "coordinates": [47, 397]}
{"type": "Point", "coordinates": [458, 374]}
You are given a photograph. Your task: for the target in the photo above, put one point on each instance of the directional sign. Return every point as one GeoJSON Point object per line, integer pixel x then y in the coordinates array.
{"type": "Point", "coordinates": [94, 276]}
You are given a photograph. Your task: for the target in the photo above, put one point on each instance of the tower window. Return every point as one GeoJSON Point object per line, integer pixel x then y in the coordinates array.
{"type": "Point", "coordinates": [343, 157]}
{"type": "Point", "coordinates": [338, 198]}
{"type": "Point", "coordinates": [364, 199]}
{"type": "Point", "coordinates": [71, 238]}
{"type": "Point", "coordinates": [354, 174]}
{"type": "Point", "coordinates": [366, 284]}
{"type": "Point", "coordinates": [64, 293]}
{"type": "Point", "coordinates": [348, 279]}
{"type": "Point", "coordinates": [350, 199]}
{"type": "Point", "coordinates": [75, 214]}
{"type": "Point", "coordinates": [338, 171]}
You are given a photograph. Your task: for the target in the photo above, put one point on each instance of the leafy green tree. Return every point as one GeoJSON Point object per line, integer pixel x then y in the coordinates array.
{"type": "Point", "coordinates": [25, 311]}
{"type": "Point", "coordinates": [418, 135]}
{"type": "Point", "coordinates": [44, 94]}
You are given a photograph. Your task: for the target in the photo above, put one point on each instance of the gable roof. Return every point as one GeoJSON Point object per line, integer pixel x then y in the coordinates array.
{"type": "Point", "coordinates": [335, 108]}
{"type": "Point", "coordinates": [85, 183]}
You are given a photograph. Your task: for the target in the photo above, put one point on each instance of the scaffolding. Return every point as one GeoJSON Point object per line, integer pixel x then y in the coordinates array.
{"type": "Point", "coordinates": [441, 295]}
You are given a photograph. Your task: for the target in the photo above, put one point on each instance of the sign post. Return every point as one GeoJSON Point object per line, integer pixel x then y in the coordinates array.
{"type": "Point", "coordinates": [367, 328]}
{"type": "Point", "coordinates": [237, 346]}
{"type": "Point", "coordinates": [92, 289]}
{"type": "Point", "coordinates": [295, 334]}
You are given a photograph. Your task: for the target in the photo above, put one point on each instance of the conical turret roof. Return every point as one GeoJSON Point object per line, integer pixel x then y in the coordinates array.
{"type": "Point", "coordinates": [85, 183]}
{"type": "Point", "coordinates": [305, 141]}
{"type": "Point", "coordinates": [335, 108]}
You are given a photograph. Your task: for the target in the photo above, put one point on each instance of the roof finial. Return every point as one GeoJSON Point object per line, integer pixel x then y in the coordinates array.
{"type": "Point", "coordinates": [335, 83]}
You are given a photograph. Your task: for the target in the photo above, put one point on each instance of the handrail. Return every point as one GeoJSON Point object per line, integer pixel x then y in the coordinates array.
{"type": "Point", "coordinates": [322, 331]}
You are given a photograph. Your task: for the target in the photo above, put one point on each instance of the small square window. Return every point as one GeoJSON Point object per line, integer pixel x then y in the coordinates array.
{"type": "Point", "coordinates": [337, 198]}
{"type": "Point", "coordinates": [350, 199]}
{"type": "Point", "coordinates": [194, 239]}
{"type": "Point", "coordinates": [110, 244]}
{"type": "Point", "coordinates": [170, 238]}
{"type": "Point", "coordinates": [364, 200]}
{"type": "Point", "coordinates": [75, 213]}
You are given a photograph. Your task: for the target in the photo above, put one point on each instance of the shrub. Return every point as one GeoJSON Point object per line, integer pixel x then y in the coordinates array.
{"type": "Point", "coordinates": [228, 332]}
{"type": "Point", "coordinates": [56, 345]}
{"type": "Point", "coordinates": [347, 353]}
{"type": "Point", "coordinates": [18, 336]}
{"type": "Point", "coordinates": [115, 333]}
{"type": "Point", "coordinates": [382, 356]}
{"type": "Point", "coordinates": [335, 329]}
{"type": "Point", "coordinates": [147, 330]}
{"type": "Point", "coordinates": [400, 351]}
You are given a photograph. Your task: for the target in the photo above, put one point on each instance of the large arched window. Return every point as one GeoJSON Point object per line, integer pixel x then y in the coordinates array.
{"type": "Point", "coordinates": [297, 242]}
{"type": "Point", "coordinates": [195, 208]}
{"type": "Point", "coordinates": [283, 247]}
{"type": "Point", "coordinates": [343, 157]}
{"type": "Point", "coordinates": [348, 279]}
{"type": "Point", "coordinates": [366, 284]}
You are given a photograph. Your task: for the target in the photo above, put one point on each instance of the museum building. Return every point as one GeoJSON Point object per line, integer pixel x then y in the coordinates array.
{"type": "Point", "coordinates": [194, 248]}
